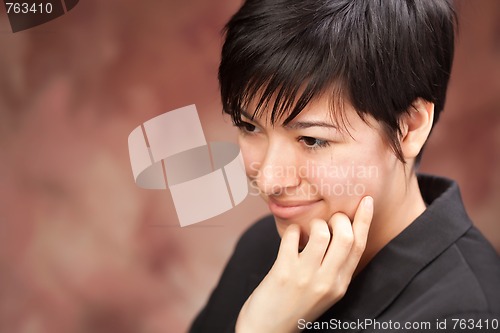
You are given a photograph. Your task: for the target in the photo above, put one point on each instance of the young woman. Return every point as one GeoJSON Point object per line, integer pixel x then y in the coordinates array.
{"type": "Point", "coordinates": [335, 100]}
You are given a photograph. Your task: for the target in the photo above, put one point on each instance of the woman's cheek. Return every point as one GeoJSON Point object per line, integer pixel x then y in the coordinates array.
{"type": "Point", "coordinates": [343, 187]}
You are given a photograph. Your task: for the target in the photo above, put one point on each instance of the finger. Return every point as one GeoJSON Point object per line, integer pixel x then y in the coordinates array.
{"type": "Point", "coordinates": [361, 228]}
{"type": "Point", "coordinates": [340, 245]}
{"type": "Point", "coordinates": [289, 246]}
{"type": "Point", "coordinates": [319, 239]}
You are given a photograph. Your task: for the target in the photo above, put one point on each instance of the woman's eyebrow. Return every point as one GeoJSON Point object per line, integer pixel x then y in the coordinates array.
{"type": "Point", "coordinates": [307, 124]}
{"type": "Point", "coordinates": [249, 117]}
{"type": "Point", "coordinates": [296, 125]}
{"type": "Point", "coordinates": [245, 114]}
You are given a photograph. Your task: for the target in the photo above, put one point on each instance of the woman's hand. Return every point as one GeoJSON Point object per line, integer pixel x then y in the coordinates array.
{"type": "Point", "coordinates": [304, 285]}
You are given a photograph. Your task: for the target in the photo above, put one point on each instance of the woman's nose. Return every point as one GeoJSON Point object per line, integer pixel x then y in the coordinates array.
{"type": "Point", "coordinates": [279, 170]}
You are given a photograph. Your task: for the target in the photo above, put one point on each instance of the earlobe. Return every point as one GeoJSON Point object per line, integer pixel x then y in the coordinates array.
{"type": "Point", "coordinates": [416, 126]}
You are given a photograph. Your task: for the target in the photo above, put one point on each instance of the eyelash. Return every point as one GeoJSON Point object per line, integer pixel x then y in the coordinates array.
{"type": "Point", "coordinates": [316, 145]}
{"type": "Point", "coordinates": [246, 128]}
{"type": "Point", "coordinates": [249, 129]}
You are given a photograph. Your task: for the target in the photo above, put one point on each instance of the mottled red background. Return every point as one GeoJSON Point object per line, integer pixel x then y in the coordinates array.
{"type": "Point", "coordinates": [82, 249]}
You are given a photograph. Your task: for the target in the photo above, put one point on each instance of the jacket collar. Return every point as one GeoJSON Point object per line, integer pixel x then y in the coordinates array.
{"type": "Point", "coordinates": [392, 269]}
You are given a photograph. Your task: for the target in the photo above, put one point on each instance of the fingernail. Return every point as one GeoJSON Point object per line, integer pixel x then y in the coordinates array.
{"type": "Point", "coordinates": [368, 202]}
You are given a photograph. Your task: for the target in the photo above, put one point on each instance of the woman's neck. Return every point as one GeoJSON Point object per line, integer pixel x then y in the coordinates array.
{"type": "Point", "coordinates": [401, 210]}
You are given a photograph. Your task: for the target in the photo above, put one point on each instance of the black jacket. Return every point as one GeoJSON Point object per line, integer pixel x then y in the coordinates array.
{"type": "Point", "coordinates": [440, 269]}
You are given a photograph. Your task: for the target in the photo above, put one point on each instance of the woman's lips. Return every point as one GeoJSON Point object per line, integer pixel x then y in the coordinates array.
{"type": "Point", "coordinates": [289, 208]}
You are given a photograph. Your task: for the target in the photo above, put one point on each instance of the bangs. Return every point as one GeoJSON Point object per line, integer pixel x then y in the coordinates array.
{"type": "Point", "coordinates": [278, 77]}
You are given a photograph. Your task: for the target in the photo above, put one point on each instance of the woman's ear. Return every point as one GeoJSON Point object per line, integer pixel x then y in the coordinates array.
{"type": "Point", "coordinates": [416, 126]}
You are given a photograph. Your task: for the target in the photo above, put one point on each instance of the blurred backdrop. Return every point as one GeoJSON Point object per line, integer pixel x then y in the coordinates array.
{"type": "Point", "coordinates": [82, 249]}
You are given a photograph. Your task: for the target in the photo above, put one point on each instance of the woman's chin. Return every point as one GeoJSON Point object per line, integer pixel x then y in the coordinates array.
{"type": "Point", "coordinates": [304, 232]}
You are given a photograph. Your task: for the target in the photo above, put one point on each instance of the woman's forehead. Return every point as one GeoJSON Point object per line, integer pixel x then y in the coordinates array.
{"type": "Point", "coordinates": [325, 110]}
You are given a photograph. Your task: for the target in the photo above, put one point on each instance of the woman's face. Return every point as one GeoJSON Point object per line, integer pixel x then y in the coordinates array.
{"type": "Point", "coordinates": [311, 168]}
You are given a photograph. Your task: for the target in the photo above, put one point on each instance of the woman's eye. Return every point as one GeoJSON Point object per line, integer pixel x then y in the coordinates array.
{"type": "Point", "coordinates": [313, 143]}
{"type": "Point", "coordinates": [246, 127]}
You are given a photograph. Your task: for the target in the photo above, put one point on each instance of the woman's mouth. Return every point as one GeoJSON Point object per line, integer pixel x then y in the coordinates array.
{"type": "Point", "coordinates": [286, 209]}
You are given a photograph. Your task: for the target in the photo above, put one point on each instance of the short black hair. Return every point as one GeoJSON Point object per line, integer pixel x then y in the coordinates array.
{"type": "Point", "coordinates": [379, 54]}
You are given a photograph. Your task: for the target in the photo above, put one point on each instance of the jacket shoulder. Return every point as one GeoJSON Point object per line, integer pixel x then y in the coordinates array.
{"type": "Point", "coordinates": [262, 233]}
{"type": "Point", "coordinates": [484, 264]}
